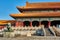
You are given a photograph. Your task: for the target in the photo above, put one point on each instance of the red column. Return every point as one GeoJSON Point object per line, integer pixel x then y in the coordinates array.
{"type": "Point", "coordinates": [30, 24]}
{"type": "Point", "coordinates": [17, 24]}
{"type": "Point", "coordinates": [22, 24]}
{"type": "Point", "coordinates": [39, 23]}
{"type": "Point", "coordinates": [49, 23]}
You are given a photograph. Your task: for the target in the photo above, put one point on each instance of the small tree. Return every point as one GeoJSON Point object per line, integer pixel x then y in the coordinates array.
{"type": "Point", "coordinates": [9, 29]}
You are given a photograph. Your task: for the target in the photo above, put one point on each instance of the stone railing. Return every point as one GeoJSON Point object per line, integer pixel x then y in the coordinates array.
{"type": "Point", "coordinates": [26, 28]}
{"type": "Point", "coordinates": [43, 30]}
{"type": "Point", "coordinates": [57, 30]}
{"type": "Point", "coordinates": [51, 29]}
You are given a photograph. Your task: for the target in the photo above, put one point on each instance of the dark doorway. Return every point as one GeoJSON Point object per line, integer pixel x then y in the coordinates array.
{"type": "Point", "coordinates": [26, 23]}
{"type": "Point", "coordinates": [35, 23]}
{"type": "Point", "coordinates": [45, 23]}
{"type": "Point", "coordinates": [55, 23]}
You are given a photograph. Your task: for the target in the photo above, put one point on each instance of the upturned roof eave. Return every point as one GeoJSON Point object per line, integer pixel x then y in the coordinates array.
{"type": "Point", "coordinates": [43, 14]}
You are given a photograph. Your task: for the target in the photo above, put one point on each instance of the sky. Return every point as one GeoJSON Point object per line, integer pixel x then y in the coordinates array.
{"type": "Point", "coordinates": [8, 7]}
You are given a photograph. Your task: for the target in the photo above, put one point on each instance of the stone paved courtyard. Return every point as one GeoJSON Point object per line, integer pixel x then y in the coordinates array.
{"type": "Point", "coordinates": [32, 38]}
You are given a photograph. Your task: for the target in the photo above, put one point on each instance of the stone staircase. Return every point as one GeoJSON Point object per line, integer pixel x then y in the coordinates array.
{"type": "Point", "coordinates": [48, 33]}
{"type": "Point", "coordinates": [56, 30]}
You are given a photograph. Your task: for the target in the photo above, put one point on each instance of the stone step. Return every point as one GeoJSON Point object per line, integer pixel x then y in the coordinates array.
{"type": "Point", "coordinates": [48, 32]}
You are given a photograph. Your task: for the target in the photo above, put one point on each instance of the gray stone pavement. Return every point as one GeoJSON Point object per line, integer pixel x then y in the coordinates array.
{"type": "Point", "coordinates": [32, 38]}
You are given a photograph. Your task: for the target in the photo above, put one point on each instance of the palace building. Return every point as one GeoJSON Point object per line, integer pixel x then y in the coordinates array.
{"type": "Point", "coordinates": [36, 14]}
{"type": "Point", "coordinates": [36, 18]}
{"type": "Point", "coordinates": [3, 23]}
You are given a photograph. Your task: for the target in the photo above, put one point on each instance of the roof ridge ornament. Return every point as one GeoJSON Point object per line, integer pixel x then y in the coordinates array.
{"type": "Point", "coordinates": [27, 3]}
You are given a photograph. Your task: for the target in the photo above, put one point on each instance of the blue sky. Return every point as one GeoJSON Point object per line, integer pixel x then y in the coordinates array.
{"type": "Point", "coordinates": [8, 7]}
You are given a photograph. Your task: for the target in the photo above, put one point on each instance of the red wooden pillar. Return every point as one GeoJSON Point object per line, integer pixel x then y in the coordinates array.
{"type": "Point", "coordinates": [30, 24]}
{"type": "Point", "coordinates": [17, 24]}
{"type": "Point", "coordinates": [22, 24]}
{"type": "Point", "coordinates": [40, 23]}
{"type": "Point", "coordinates": [49, 23]}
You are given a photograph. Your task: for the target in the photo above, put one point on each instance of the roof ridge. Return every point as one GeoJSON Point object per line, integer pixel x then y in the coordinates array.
{"type": "Point", "coordinates": [42, 2]}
